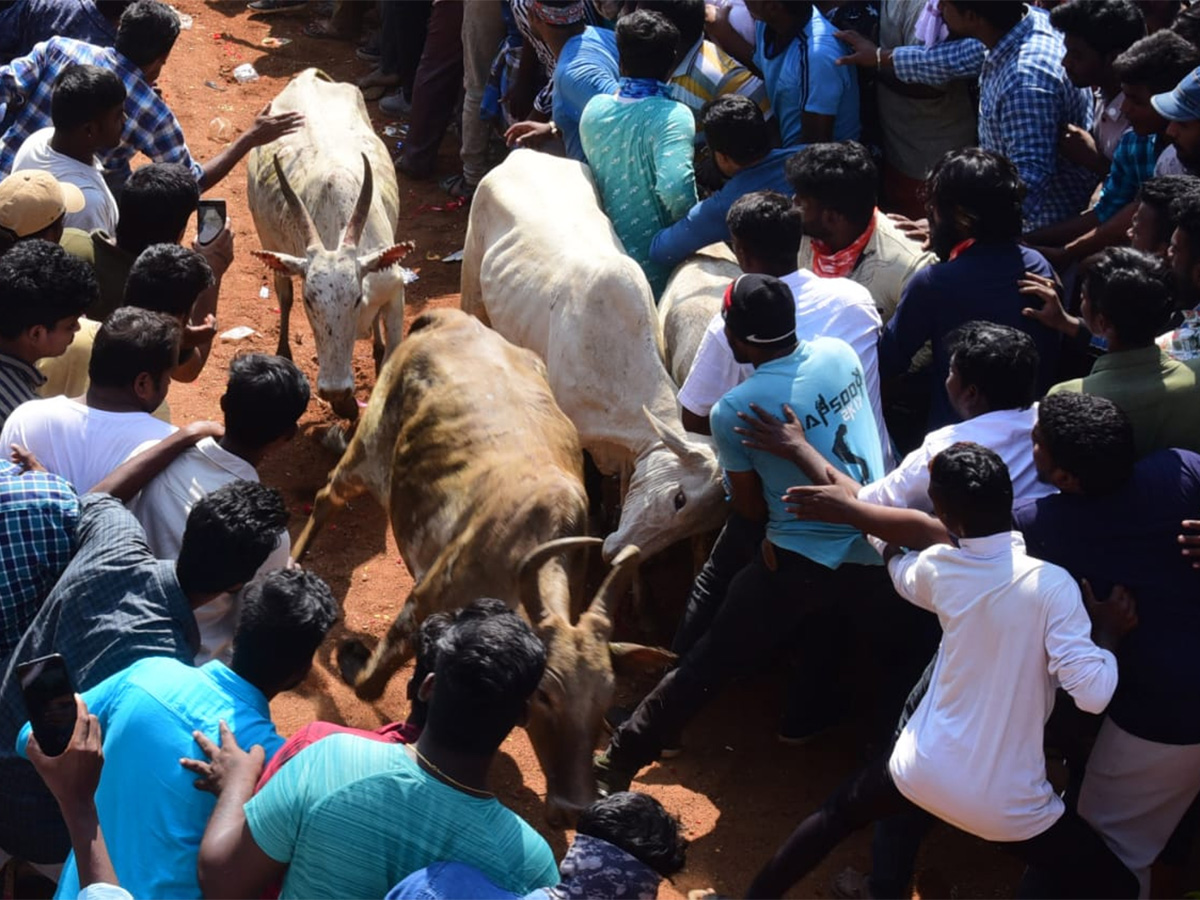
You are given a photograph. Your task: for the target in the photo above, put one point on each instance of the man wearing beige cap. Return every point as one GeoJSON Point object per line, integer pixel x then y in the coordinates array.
{"type": "Point", "coordinates": [33, 204]}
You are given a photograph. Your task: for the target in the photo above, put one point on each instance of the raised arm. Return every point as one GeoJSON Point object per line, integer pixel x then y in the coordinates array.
{"type": "Point", "coordinates": [126, 480]}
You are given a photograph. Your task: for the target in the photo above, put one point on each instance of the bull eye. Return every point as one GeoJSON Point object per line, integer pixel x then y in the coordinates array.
{"type": "Point", "coordinates": [680, 500]}
{"type": "Point", "coordinates": [542, 697]}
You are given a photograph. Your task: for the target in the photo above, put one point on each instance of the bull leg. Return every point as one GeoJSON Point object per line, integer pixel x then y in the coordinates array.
{"type": "Point", "coordinates": [378, 350]}
{"type": "Point", "coordinates": [283, 290]}
{"type": "Point", "coordinates": [393, 326]}
{"type": "Point", "coordinates": [369, 673]}
{"type": "Point", "coordinates": [344, 484]}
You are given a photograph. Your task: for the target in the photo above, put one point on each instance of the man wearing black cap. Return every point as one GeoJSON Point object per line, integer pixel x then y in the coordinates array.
{"type": "Point", "coordinates": [801, 567]}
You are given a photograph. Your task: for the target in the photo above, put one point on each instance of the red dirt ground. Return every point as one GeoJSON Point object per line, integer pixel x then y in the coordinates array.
{"type": "Point", "coordinates": [737, 791]}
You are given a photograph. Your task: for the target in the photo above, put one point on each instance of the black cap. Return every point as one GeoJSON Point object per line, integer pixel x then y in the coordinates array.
{"type": "Point", "coordinates": [760, 310]}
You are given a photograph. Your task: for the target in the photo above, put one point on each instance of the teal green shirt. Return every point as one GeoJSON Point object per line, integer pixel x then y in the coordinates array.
{"type": "Point", "coordinates": [823, 383]}
{"type": "Point", "coordinates": [351, 817]}
{"type": "Point", "coordinates": [640, 153]}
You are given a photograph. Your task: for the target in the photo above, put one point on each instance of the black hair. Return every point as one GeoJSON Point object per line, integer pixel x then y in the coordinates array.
{"type": "Point", "coordinates": [425, 643]}
{"type": "Point", "coordinates": [1161, 195]}
{"type": "Point", "coordinates": [1185, 210]}
{"type": "Point", "coordinates": [82, 94]}
{"type": "Point", "coordinates": [1090, 437]}
{"type": "Point", "coordinates": [147, 31]}
{"type": "Point", "coordinates": [973, 486]}
{"type": "Point", "coordinates": [1159, 62]}
{"type": "Point", "coordinates": [487, 668]}
{"type": "Point", "coordinates": [840, 175]}
{"type": "Point", "coordinates": [264, 398]}
{"type": "Point", "coordinates": [686, 15]}
{"type": "Point", "coordinates": [734, 125]}
{"type": "Point", "coordinates": [1187, 24]}
{"type": "Point", "coordinates": [646, 43]}
{"type": "Point", "coordinates": [769, 227]}
{"type": "Point", "coordinates": [155, 204]}
{"type": "Point", "coordinates": [168, 278]}
{"type": "Point", "coordinates": [1001, 361]}
{"type": "Point", "coordinates": [1107, 26]}
{"type": "Point", "coordinates": [639, 825]}
{"type": "Point", "coordinates": [284, 618]}
{"type": "Point", "coordinates": [228, 536]}
{"type": "Point", "coordinates": [132, 341]}
{"type": "Point", "coordinates": [997, 13]}
{"type": "Point", "coordinates": [40, 284]}
{"type": "Point", "coordinates": [980, 192]}
{"type": "Point", "coordinates": [1133, 289]}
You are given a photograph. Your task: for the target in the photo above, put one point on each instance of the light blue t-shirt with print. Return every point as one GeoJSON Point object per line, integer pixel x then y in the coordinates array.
{"type": "Point", "coordinates": [823, 383]}
{"type": "Point", "coordinates": [805, 77]}
{"type": "Point", "coordinates": [352, 817]}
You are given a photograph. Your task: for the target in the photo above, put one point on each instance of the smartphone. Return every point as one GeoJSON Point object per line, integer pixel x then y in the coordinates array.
{"type": "Point", "coordinates": [49, 700]}
{"type": "Point", "coordinates": [210, 219]}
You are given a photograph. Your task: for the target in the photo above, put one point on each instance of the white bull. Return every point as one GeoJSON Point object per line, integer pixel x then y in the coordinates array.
{"type": "Point", "coordinates": [331, 185]}
{"type": "Point", "coordinates": [690, 300]}
{"type": "Point", "coordinates": [544, 267]}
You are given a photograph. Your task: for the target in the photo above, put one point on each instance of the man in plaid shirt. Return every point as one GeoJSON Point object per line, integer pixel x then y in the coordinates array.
{"type": "Point", "coordinates": [145, 36]}
{"type": "Point", "coordinates": [1026, 99]}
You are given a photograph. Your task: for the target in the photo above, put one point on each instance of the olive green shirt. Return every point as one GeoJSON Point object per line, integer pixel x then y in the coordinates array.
{"type": "Point", "coordinates": [111, 263]}
{"type": "Point", "coordinates": [1160, 395]}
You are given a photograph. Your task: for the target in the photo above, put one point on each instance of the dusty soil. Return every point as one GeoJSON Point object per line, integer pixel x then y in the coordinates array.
{"type": "Point", "coordinates": [737, 791]}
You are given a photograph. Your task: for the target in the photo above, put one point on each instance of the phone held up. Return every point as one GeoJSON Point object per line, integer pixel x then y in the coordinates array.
{"type": "Point", "coordinates": [210, 219]}
{"type": "Point", "coordinates": [49, 700]}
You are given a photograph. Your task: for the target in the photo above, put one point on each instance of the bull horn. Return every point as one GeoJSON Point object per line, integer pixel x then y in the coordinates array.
{"type": "Point", "coordinates": [531, 566]}
{"type": "Point", "coordinates": [362, 206]}
{"type": "Point", "coordinates": [312, 239]}
{"type": "Point", "coordinates": [617, 580]}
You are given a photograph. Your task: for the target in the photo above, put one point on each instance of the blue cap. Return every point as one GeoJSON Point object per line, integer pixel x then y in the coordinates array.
{"type": "Point", "coordinates": [1183, 103]}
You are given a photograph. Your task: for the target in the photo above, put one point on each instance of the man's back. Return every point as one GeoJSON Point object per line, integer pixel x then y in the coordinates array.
{"type": "Point", "coordinates": [979, 284]}
{"type": "Point", "coordinates": [640, 153]}
{"type": "Point", "coordinates": [1013, 628]}
{"type": "Point", "coordinates": [147, 713]}
{"type": "Point", "coordinates": [1128, 538]}
{"type": "Point", "coordinates": [352, 817]}
{"type": "Point", "coordinates": [27, 22]}
{"type": "Point", "coordinates": [1160, 395]}
{"type": "Point", "coordinates": [78, 442]}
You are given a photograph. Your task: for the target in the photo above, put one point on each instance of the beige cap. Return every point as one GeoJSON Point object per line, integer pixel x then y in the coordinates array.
{"type": "Point", "coordinates": [32, 200]}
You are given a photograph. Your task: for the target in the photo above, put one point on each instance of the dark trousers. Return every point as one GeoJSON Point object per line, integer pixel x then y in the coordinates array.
{"type": "Point", "coordinates": [438, 80]}
{"type": "Point", "coordinates": [402, 29]}
{"type": "Point", "coordinates": [762, 609]}
{"type": "Point", "coordinates": [1068, 859]}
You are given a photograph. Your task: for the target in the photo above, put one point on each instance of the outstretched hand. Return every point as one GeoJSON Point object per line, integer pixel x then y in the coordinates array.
{"type": "Point", "coordinates": [226, 764]}
{"type": "Point", "coordinates": [1112, 618]}
{"type": "Point", "coordinates": [268, 127]}
{"type": "Point", "coordinates": [1191, 541]}
{"type": "Point", "coordinates": [1051, 312]}
{"type": "Point", "coordinates": [831, 503]}
{"type": "Point", "coordinates": [528, 134]}
{"type": "Point", "coordinates": [779, 437]}
{"type": "Point", "coordinates": [862, 50]}
{"type": "Point", "coordinates": [23, 457]}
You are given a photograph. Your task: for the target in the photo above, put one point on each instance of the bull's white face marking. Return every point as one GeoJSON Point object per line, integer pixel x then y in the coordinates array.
{"type": "Point", "coordinates": [670, 497]}
{"type": "Point", "coordinates": [332, 294]}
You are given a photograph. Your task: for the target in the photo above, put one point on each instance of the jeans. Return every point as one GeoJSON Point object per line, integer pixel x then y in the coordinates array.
{"type": "Point", "coordinates": [763, 608]}
{"type": "Point", "coordinates": [1068, 859]}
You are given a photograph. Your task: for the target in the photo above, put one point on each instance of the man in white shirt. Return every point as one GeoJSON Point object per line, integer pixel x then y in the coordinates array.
{"type": "Point", "coordinates": [766, 231]}
{"type": "Point", "coordinates": [1015, 629]}
{"type": "Point", "coordinates": [263, 400]}
{"type": "Point", "coordinates": [85, 438]}
{"type": "Point", "coordinates": [88, 112]}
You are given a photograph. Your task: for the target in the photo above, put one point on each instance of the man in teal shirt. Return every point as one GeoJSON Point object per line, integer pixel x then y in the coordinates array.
{"type": "Point", "coordinates": [351, 817]}
{"type": "Point", "coordinates": [153, 817]}
{"type": "Point", "coordinates": [802, 567]}
{"type": "Point", "coordinates": [639, 142]}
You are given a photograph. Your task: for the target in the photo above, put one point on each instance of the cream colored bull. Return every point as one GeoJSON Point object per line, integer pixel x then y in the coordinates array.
{"type": "Point", "coordinates": [543, 266]}
{"type": "Point", "coordinates": [481, 474]}
{"type": "Point", "coordinates": [325, 203]}
{"type": "Point", "coordinates": [691, 298]}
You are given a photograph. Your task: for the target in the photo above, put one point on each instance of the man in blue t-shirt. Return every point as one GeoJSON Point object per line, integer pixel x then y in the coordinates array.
{"type": "Point", "coordinates": [802, 567]}
{"type": "Point", "coordinates": [813, 98]}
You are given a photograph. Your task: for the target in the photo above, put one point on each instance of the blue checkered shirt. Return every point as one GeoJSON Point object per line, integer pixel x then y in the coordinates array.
{"type": "Point", "coordinates": [1132, 164]}
{"type": "Point", "coordinates": [1025, 103]}
{"type": "Point", "coordinates": [38, 515]}
{"type": "Point", "coordinates": [26, 85]}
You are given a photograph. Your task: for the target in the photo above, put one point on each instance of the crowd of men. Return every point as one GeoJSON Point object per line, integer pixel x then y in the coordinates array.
{"type": "Point", "coordinates": [955, 397]}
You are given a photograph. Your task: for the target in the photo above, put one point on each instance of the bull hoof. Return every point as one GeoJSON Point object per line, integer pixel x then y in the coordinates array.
{"type": "Point", "coordinates": [334, 439]}
{"type": "Point", "coordinates": [352, 659]}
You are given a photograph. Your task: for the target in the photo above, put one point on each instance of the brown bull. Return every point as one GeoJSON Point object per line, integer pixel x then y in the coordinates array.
{"type": "Point", "coordinates": [481, 474]}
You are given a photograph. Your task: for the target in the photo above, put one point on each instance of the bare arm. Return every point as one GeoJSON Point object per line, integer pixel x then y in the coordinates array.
{"type": "Point", "coordinates": [746, 496]}
{"type": "Point", "coordinates": [910, 528]}
{"type": "Point", "coordinates": [694, 422]}
{"type": "Point", "coordinates": [720, 31]}
{"type": "Point", "coordinates": [201, 327]}
{"type": "Point", "coordinates": [126, 480]}
{"type": "Point", "coordinates": [266, 128]}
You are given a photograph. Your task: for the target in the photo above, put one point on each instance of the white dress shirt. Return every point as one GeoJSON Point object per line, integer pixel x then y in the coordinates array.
{"type": "Point", "coordinates": [1014, 628]}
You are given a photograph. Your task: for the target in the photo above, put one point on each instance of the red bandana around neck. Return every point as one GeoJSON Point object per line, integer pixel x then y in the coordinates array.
{"type": "Point", "coordinates": [828, 264]}
{"type": "Point", "coordinates": [960, 247]}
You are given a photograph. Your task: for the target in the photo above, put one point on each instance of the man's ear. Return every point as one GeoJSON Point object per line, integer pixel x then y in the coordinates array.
{"type": "Point", "coordinates": [281, 262]}
{"type": "Point", "coordinates": [1065, 481]}
{"type": "Point", "coordinates": [36, 335]}
{"type": "Point", "coordinates": [638, 659]}
{"type": "Point", "coordinates": [425, 691]}
{"type": "Point", "coordinates": [145, 385]}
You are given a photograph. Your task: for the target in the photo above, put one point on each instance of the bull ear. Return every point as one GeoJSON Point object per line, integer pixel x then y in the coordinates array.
{"type": "Point", "coordinates": [389, 256]}
{"type": "Point", "coordinates": [674, 440]}
{"type": "Point", "coordinates": [638, 659]}
{"type": "Point", "coordinates": [281, 262]}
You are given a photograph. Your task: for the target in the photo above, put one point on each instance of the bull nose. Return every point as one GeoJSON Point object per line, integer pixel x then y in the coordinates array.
{"type": "Point", "coordinates": [562, 813]}
{"type": "Point", "coordinates": [342, 401]}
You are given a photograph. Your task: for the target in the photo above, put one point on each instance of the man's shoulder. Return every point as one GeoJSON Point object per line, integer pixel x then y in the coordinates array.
{"type": "Point", "coordinates": [894, 249]}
